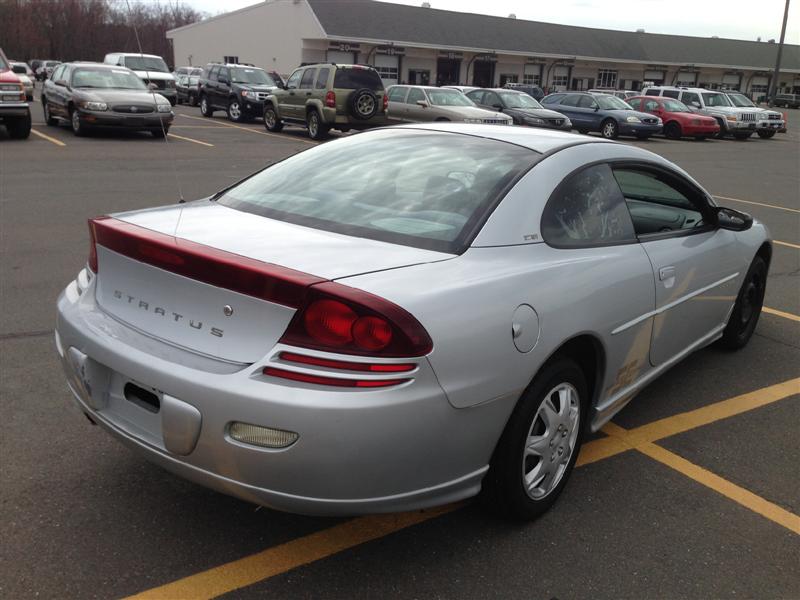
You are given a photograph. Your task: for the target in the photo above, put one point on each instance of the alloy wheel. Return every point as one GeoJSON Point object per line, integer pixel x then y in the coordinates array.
{"type": "Point", "coordinates": [313, 125]}
{"type": "Point", "coordinates": [234, 111]}
{"type": "Point", "coordinates": [610, 130]}
{"type": "Point", "coordinates": [551, 441]}
{"type": "Point", "coordinates": [365, 105]}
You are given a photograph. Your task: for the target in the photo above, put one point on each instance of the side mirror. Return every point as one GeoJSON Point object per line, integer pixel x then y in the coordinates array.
{"type": "Point", "coordinates": [497, 106]}
{"type": "Point", "coordinates": [423, 103]}
{"type": "Point", "coordinates": [223, 81]}
{"type": "Point", "coordinates": [61, 82]}
{"type": "Point", "coordinates": [596, 107]}
{"type": "Point", "coordinates": [733, 220]}
{"type": "Point", "coordinates": [696, 104]}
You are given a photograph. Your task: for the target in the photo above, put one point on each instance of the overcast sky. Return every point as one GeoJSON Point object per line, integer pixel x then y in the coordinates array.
{"type": "Point", "coordinates": [738, 19]}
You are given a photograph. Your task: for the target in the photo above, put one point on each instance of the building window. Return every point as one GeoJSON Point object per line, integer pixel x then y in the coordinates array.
{"type": "Point", "coordinates": [531, 79]}
{"type": "Point", "coordinates": [388, 73]}
{"type": "Point", "coordinates": [606, 78]}
{"type": "Point", "coordinates": [419, 77]}
{"type": "Point", "coordinates": [758, 89]}
{"type": "Point", "coordinates": [233, 60]}
{"type": "Point", "coordinates": [560, 81]}
{"type": "Point", "coordinates": [508, 78]}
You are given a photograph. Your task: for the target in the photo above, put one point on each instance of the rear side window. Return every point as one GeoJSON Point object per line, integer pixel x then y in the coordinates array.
{"type": "Point", "coordinates": [671, 94]}
{"type": "Point", "coordinates": [308, 79]}
{"type": "Point", "coordinates": [355, 79]}
{"type": "Point", "coordinates": [571, 101]}
{"type": "Point", "coordinates": [689, 97]}
{"type": "Point", "coordinates": [399, 186]}
{"type": "Point", "coordinates": [397, 94]}
{"type": "Point", "coordinates": [652, 93]}
{"type": "Point", "coordinates": [322, 79]}
{"type": "Point", "coordinates": [212, 74]}
{"type": "Point", "coordinates": [635, 103]}
{"type": "Point", "coordinates": [587, 209]}
{"type": "Point", "coordinates": [586, 102]}
{"type": "Point", "coordinates": [415, 95]}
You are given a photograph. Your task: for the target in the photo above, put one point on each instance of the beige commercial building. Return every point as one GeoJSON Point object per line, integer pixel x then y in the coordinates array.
{"type": "Point", "coordinates": [428, 46]}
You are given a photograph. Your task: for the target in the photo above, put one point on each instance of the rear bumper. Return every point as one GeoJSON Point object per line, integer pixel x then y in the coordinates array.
{"type": "Point", "coordinates": [126, 121]}
{"type": "Point", "coordinates": [379, 450]}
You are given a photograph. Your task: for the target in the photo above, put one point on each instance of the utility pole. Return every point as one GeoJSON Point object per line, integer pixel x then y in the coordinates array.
{"type": "Point", "coordinates": [777, 74]}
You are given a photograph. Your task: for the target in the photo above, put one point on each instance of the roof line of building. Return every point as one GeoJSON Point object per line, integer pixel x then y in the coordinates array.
{"type": "Point", "coordinates": [220, 16]}
{"type": "Point", "coordinates": [380, 42]}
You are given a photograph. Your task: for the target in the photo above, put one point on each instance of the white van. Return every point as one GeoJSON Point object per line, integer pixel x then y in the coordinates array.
{"type": "Point", "coordinates": [150, 68]}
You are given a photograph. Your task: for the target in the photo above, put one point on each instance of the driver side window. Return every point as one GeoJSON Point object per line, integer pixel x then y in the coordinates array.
{"type": "Point", "coordinates": [658, 203]}
{"type": "Point", "coordinates": [587, 102]}
{"type": "Point", "coordinates": [294, 80]}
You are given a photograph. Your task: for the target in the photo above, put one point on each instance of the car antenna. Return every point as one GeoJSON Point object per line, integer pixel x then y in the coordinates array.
{"type": "Point", "coordinates": [181, 199]}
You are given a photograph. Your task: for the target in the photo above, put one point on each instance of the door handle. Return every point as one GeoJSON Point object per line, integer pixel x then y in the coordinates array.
{"type": "Point", "coordinates": [665, 273]}
{"type": "Point", "coordinates": [308, 93]}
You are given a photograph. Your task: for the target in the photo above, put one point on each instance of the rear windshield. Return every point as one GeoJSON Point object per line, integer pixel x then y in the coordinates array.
{"type": "Point", "coordinates": [146, 63]}
{"type": "Point", "coordinates": [417, 188]}
{"type": "Point", "coordinates": [354, 79]}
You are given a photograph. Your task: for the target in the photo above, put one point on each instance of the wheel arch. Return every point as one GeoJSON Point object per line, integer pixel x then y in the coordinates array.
{"type": "Point", "coordinates": [588, 352]}
{"type": "Point", "coordinates": [765, 252]}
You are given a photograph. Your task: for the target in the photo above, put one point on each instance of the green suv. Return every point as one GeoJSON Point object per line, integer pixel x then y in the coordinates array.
{"type": "Point", "coordinates": [328, 96]}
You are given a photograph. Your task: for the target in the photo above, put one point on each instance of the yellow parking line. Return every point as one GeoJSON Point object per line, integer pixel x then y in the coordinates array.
{"type": "Point", "coordinates": [780, 313]}
{"type": "Point", "coordinates": [305, 550]}
{"type": "Point", "coordinates": [268, 134]}
{"type": "Point", "coordinates": [616, 444]}
{"type": "Point", "coordinates": [738, 494]}
{"type": "Point", "coordinates": [758, 203]}
{"type": "Point", "coordinates": [48, 138]}
{"type": "Point", "coordinates": [787, 244]}
{"type": "Point", "coordinates": [187, 139]}
{"type": "Point", "coordinates": [285, 557]}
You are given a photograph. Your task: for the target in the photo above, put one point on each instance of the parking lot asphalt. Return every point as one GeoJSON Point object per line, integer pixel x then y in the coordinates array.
{"type": "Point", "coordinates": [691, 492]}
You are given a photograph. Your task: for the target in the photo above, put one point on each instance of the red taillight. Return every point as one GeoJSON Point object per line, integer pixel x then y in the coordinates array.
{"type": "Point", "coordinates": [385, 102]}
{"type": "Point", "coordinates": [330, 99]}
{"type": "Point", "coordinates": [93, 244]}
{"type": "Point", "coordinates": [342, 319]}
{"type": "Point", "coordinates": [346, 365]}
{"type": "Point", "coordinates": [334, 381]}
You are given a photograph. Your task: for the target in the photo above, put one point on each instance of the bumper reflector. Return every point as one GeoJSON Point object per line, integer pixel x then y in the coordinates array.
{"type": "Point", "coordinates": [265, 437]}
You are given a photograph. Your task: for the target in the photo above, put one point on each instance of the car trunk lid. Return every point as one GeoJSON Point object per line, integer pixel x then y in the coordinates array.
{"type": "Point", "coordinates": [222, 282]}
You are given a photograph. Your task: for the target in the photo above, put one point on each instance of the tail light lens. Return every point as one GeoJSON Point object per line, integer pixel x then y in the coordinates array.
{"type": "Point", "coordinates": [385, 101]}
{"type": "Point", "coordinates": [93, 245]}
{"type": "Point", "coordinates": [330, 99]}
{"type": "Point", "coordinates": [333, 381]}
{"type": "Point", "coordinates": [345, 320]}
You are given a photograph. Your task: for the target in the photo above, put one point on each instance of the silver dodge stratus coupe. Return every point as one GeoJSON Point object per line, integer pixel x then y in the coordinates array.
{"type": "Point", "coordinates": [405, 317]}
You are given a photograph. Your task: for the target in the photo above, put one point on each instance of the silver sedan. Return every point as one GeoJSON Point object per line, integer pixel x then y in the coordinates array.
{"type": "Point", "coordinates": [406, 317]}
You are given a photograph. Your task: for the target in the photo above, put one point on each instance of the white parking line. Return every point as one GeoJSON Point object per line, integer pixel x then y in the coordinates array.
{"type": "Point", "coordinates": [758, 203]}
{"type": "Point", "coordinates": [188, 139]}
{"type": "Point", "coordinates": [48, 138]}
{"type": "Point", "coordinates": [275, 135]}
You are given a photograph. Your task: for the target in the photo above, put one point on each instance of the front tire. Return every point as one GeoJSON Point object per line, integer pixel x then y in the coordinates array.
{"type": "Point", "coordinates": [78, 128]}
{"type": "Point", "coordinates": [192, 99]}
{"type": "Point", "coordinates": [205, 107]}
{"type": "Point", "coordinates": [235, 113]}
{"type": "Point", "coordinates": [673, 131]}
{"type": "Point", "coordinates": [271, 121]}
{"type": "Point", "coordinates": [742, 136]}
{"type": "Point", "coordinates": [160, 134]}
{"type": "Point", "coordinates": [747, 309]}
{"type": "Point", "coordinates": [765, 135]}
{"type": "Point", "coordinates": [609, 129]}
{"type": "Point", "coordinates": [538, 448]}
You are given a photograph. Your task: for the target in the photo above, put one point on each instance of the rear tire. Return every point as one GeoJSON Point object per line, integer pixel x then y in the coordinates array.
{"type": "Point", "coordinates": [271, 121]}
{"type": "Point", "coordinates": [673, 131]}
{"type": "Point", "coordinates": [316, 129]}
{"type": "Point", "coordinates": [538, 448]}
{"type": "Point", "coordinates": [205, 107]}
{"type": "Point", "coordinates": [747, 309]}
{"type": "Point", "coordinates": [48, 118]}
{"type": "Point", "coordinates": [19, 128]}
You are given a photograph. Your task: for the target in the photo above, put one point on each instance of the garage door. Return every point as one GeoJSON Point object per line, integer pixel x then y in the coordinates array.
{"type": "Point", "coordinates": [687, 79]}
{"type": "Point", "coordinates": [560, 80]}
{"type": "Point", "coordinates": [654, 75]}
{"type": "Point", "coordinates": [341, 58]}
{"type": "Point", "coordinates": [731, 81]}
{"type": "Point", "coordinates": [761, 81]}
{"type": "Point", "coordinates": [389, 68]}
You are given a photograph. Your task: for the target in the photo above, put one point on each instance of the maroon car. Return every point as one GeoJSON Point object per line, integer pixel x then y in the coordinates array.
{"type": "Point", "coordinates": [678, 120]}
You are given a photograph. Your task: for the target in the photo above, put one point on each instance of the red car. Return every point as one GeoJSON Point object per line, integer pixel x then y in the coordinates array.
{"type": "Point", "coordinates": [678, 120]}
